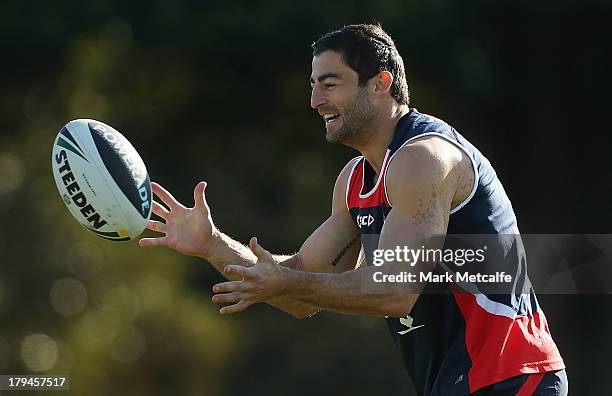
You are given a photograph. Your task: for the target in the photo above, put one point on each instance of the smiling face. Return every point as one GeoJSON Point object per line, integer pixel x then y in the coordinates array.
{"type": "Point", "coordinates": [346, 108]}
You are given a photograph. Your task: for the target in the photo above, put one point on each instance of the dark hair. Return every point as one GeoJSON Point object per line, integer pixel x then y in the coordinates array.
{"type": "Point", "coordinates": [368, 50]}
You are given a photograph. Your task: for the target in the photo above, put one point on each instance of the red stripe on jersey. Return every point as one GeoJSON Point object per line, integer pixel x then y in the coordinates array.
{"type": "Point", "coordinates": [531, 384]}
{"type": "Point", "coordinates": [502, 347]}
{"type": "Point", "coordinates": [356, 184]}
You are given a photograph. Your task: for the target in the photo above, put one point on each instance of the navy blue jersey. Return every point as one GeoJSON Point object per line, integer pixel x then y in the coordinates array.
{"type": "Point", "coordinates": [456, 343]}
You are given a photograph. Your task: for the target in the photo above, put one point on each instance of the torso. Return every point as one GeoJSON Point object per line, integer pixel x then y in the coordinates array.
{"type": "Point", "coordinates": [448, 342]}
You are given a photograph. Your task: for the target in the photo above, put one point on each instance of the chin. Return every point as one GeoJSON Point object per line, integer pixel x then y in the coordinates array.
{"type": "Point", "coordinates": [334, 137]}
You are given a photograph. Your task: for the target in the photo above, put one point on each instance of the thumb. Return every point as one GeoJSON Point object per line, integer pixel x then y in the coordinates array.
{"type": "Point", "coordinates": [261, 253]}
{"type": "Point", "coordinates": [199, 196]}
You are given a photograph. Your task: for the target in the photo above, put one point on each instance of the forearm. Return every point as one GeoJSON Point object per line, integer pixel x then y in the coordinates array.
{"type": "Point", "coordinates": [223, 251]}
{"type": "Point", "coordinates": [348, 293]}
{"type": "Point", "coordinates": [292, 306]}
{"type": "Point", "coordinates": [227, 251]}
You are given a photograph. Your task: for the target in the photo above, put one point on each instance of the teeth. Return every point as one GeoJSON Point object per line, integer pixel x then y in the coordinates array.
{"type": "Point", "coordinates": [328, 117]}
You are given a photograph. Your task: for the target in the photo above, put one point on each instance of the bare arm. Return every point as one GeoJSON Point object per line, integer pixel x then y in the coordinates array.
{"type": "Point", "coordinates": [422, 186]}
{"type": "Point", "coordinates": [334, 246]}
{"type": "Point", "coordinates": [227, 251]}
{"type": "Point", "coordinates": [420, 210]}
{"type": "Point", "coordinates": [330, 248]}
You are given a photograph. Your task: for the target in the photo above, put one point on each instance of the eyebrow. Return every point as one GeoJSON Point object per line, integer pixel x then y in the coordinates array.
{"type": "Point", "coordinates": [324, 76]}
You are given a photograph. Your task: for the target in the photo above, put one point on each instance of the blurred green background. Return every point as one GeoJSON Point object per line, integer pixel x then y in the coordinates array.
{"type": "Point", "coordinates": [219, 92]}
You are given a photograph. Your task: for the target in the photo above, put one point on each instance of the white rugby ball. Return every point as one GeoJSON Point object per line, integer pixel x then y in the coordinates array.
{"type": "Point", "coordinates": [102, 179]}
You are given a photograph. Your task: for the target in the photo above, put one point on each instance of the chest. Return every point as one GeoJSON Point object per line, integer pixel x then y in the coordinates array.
{"type": "Point", "coordinates": [367, 198]}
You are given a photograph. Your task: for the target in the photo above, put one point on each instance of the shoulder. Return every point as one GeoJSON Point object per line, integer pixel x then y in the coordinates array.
{"type": "Point", "coordinates": [342, 181]}
{"type": "Point", "coordinates": [345, 173]}
{"type": "Point", "coordinates": [425, 167]}
{"type": "Point", "coordinates": [429, 158]}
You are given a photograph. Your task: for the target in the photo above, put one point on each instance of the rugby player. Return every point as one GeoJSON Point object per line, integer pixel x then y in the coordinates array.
{"type": "Point", "coordinates": [416, 176]}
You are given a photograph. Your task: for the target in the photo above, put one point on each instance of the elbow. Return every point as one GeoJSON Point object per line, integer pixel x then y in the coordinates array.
{"type": "Point", "coordinates": [304, 313]}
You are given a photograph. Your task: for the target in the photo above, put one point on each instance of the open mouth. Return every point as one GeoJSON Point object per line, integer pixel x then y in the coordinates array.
{"type": "Point", "coordinates": [330, 117]}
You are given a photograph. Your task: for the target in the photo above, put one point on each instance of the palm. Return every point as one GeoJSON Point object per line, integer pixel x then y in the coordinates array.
{"type": "Point", "coordinates": [187, 230]}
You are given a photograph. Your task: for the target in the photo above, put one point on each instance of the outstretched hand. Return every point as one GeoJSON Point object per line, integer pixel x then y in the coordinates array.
{"type": "Point", "coordinates": [187, 230]}
{"type": "Point", "coordinates": [265, 280]}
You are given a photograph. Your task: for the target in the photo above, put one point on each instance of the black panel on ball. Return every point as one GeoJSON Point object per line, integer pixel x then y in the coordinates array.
{"type": "Point", "coordinates": [119, 169]}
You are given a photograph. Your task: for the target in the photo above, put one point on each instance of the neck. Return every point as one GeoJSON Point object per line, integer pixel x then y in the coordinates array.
{"type": "Point", "coordinates": [375, 148]}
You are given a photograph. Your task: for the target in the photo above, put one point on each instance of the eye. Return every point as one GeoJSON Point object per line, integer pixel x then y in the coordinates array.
{"type": "Point", "coordinates": [329, 85]}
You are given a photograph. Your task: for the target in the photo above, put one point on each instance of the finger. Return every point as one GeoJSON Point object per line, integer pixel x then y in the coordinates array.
{"type": "Point", "coordinates": [235, 308]}
{"type": "Point", "coordinates": [239, 271]}
{"type": "Point", "coordinates": [156, 226]}
{"type": "Point", "coordinates": [165, 196]}
{"type": "Point", "coordinates": [261, 253]}
{"type": "Point", "coordinates": [227, 297]}
{"type": "Point", "coordinates": [153, 242]}
{"type": "Point", "coordinates": [231, 286]}
{"type": "Point", "coordinates": [199, 196]}
{"type": "Point", "coordinates": [160, 210]}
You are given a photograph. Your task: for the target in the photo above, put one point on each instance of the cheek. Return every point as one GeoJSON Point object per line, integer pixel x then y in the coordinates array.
{"type": "Point", "coordinates": [342, 96]}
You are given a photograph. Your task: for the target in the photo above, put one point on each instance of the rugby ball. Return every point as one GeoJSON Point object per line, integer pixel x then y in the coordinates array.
{"type": "Point", "coordinates": [102, 179]}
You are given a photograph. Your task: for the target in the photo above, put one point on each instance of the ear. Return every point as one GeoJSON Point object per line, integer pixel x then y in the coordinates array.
{"type": "Point", "coordinates": [382, 82]}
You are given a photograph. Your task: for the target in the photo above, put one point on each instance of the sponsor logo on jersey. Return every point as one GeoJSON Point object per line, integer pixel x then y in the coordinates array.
{"type": "Point", "coordinates": [365, 220]}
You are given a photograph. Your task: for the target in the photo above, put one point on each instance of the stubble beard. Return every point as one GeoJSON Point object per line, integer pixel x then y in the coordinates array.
{"type": "Point", "coordinates": [357, 119]}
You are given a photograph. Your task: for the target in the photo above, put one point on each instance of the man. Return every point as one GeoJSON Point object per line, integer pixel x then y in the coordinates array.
{"type": "Point", "coordinates": [417, 177]}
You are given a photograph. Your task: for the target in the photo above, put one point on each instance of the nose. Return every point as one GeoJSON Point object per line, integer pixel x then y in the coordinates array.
{"type": "Point", "coordinates": [316, 98]}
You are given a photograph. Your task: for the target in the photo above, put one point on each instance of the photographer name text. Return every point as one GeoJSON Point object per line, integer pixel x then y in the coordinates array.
{"type": "Point", "coordinates": [422, 277]}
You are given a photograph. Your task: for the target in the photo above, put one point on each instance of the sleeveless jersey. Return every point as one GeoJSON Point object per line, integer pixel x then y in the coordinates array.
{"type": "Point", "coordinates": [457, 343]}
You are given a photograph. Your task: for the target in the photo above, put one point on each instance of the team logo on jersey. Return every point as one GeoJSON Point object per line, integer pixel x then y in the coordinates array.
{"type": "Point", "coordinates": [365, 221]}
{"type": "Point", "coordinates": [407, 321]}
